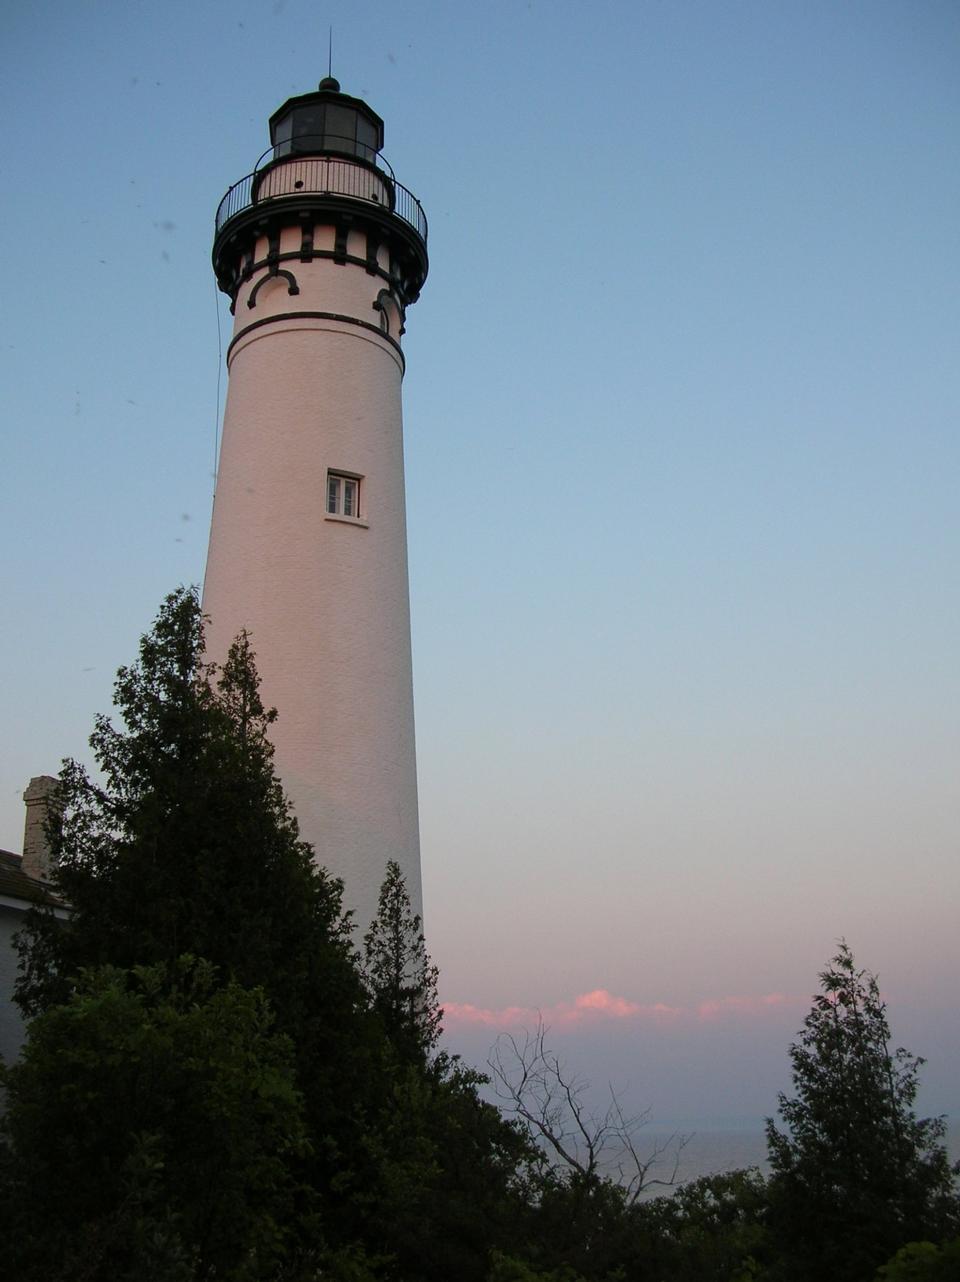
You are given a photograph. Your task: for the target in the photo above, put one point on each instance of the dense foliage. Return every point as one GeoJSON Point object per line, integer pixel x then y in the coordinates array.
{"type": "Point", "coordinates": [855, 1161]}
{"type": "Point", "coordinates": [156, 1122]}
{"type": "Point", "coordinates": [217, 1083]}
{"type": "Point", "coordinates": [182, 856]}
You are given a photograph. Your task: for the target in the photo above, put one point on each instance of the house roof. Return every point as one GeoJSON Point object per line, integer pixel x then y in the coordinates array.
{"type": "Point", "coordinates": [15, 884]}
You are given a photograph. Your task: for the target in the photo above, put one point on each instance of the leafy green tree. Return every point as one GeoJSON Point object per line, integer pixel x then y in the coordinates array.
{"type": "Point", "coordinates": [474, 1198]}
{"type": "Point", "coordinates": [711, 1230]}
{"type": "Point", "coordinates": [855, 1174]}
{"type": "Point", "coordinates": [149, 1129]}
{"type": "Point", "coordinates": [583, 1223]}
{"type": "Point", "coordinates": [505, 1268]}
{"type": "Point", "coordinates": [923, 1262]}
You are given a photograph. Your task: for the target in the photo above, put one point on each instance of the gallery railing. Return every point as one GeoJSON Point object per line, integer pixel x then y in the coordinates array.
{"type": "Point", "coordinates": [292, 169]}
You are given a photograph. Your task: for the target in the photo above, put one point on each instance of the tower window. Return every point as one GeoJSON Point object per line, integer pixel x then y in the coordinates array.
{"type": "Point", "coordinates": [343, 495]}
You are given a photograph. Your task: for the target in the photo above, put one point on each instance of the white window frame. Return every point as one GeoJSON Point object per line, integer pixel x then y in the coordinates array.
{"type": "Point", "coordinates": [345, 483]}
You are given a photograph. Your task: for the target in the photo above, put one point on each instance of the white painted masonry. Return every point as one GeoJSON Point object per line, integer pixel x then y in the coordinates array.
{"type": "Point", "coordinates": [325, 599]}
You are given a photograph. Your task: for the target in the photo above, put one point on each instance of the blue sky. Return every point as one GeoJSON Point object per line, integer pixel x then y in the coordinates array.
{"type": "Point", "coordinates": [681, 427]}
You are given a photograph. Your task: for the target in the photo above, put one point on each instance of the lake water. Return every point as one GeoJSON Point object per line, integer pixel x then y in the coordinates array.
{"type": "Point", "coordinates": [712, 1151]}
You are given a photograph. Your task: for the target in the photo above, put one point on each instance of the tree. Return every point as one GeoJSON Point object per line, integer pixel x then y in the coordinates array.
{"type": "Point", "coordinates": [507, 1269]}
{"type": "Point", "coordinates": [923, 1262]}
{"type": "Point", "coordinates": [855, 1174]}
{"type": "Point", "coordinates": [447, 1163]}
{"type": "Point", "coordinates": [585, 1196]}
{"type": "Point", "coordinates": [186, 844]}
{"type": "Point", "coordinates": [389, 1165]}
{"type": "Point", "coordinates": [534, 1085]}
{"type": "Point", "coordinates": [149, 1129]}
{"type": "Point", "coordinates": [401, 977]}
{"type": "Point", "coordinates": [711, 1230]}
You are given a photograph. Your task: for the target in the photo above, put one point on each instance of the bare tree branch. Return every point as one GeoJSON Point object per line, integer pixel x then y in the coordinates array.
{"type": "Point", "coordinates": [533, 1084]}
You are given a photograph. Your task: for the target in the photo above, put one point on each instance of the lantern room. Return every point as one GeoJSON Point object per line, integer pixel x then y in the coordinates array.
{"type": "Point", "coordinates": [327, 123]}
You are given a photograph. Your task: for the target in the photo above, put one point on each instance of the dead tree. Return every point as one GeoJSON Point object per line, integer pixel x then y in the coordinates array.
{"type": "Point", "coordinates": [534, 1085]}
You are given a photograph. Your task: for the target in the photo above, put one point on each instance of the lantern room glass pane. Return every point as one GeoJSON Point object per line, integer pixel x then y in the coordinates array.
{"type": "Point", "coordinates": [341, 128]}
{"type": "Point", "coordinates": [366, 138]}
{"type": "Point", "coordinates": [307, 128]}
{"type": "Point", "coordinates": [283, 133]}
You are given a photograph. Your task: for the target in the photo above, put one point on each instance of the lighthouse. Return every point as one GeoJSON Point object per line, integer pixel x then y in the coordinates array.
{"type": "Point", "coordinates": [321, 251]}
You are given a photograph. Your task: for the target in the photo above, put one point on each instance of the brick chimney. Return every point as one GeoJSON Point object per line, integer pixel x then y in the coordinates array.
{"type": "Point", "coordinates": [41, 801]}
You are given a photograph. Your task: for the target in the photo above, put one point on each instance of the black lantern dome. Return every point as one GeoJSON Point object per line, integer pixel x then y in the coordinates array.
{"type": "Point", "coordinates": [326, 122]}
{"type": "Point", "coordinates": [323, 165]}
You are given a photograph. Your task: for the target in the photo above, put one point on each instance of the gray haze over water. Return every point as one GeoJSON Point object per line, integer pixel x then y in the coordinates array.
{"type": "Point", "coordinates": [713, 1151]}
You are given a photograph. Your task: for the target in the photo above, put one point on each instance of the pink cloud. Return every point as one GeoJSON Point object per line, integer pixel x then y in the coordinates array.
{"type": "Point", "coordinates": [600, 1004]}
{"type": "Point", "coordinates": [604, 1002]}
{"type": "Point", "coordinates": [466, 1013]}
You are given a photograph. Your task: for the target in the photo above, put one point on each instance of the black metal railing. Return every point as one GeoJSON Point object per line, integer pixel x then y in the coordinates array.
{"type": "Point", "coordinates": [293, 169]}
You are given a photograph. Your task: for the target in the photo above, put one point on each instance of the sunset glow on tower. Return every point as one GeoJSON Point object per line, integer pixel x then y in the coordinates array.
{"type": "Point", "coordinates": [321, 251]}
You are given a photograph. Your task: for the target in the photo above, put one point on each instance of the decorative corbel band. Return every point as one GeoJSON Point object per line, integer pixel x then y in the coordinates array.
{"type": "Point", "coordinates": [373, 247]}
{"type": "Point", "coordinates": [340, 240]}
{"type": "Point", "coordinates": [292, 286]}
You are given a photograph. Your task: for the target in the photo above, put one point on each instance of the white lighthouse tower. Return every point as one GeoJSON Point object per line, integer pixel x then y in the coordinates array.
{"type": "Point", "coordinates": [321, 251]}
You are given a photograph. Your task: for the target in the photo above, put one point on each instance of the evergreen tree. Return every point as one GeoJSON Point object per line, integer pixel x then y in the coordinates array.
{"type": "Point", "coordinates": [855, 1174]}
{"type": "Point", "coordinates": [389, 1165]}
{"type": "Point", "coordinates": [400, 975]}
{"type": "Point", "coordinates": [451, 1170]}
{"type": "Point", "coordinates": [186, 844]}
